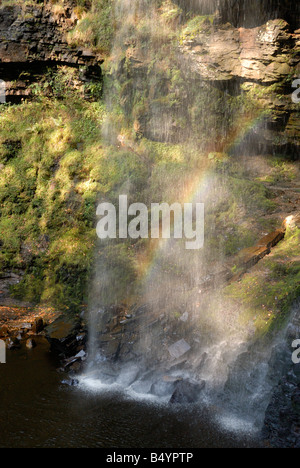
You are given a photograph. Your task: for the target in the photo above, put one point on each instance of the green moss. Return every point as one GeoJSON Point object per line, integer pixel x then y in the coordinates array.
{"type": "Point", "coordinates": [196, 26]}
{"type": "Point", "coordinates": [48, 189]}
{"type": "Point", "coordinates": [240, 237]}
{"type": "Point", "coordinates": [266, 294]}
{"type": "Point", "coordinates": [56, 167]}
{"type": "Point", "coordinates": [95, 28]}
{"type": "Point", "coordinates": [169, 11]}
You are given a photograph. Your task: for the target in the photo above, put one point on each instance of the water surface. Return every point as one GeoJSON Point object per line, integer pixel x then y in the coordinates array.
{"type": "Point", "coordinates": [38, 410]}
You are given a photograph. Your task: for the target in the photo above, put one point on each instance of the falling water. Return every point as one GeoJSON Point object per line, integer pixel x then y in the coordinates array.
{"type": "Point", "coordinates": [176, 295]}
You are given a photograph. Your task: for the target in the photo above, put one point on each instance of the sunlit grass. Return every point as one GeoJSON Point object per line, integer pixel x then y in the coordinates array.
{"type": "Point", "coordinates": [39, 195]}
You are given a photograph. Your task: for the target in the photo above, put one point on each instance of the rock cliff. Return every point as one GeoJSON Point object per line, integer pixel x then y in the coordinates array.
{"type": "Point", "coordinates": [262, 62]}
{"type": "Point", "coordinates": [252, 55]}
{"type": "Point", "coordinates": [33, 39]}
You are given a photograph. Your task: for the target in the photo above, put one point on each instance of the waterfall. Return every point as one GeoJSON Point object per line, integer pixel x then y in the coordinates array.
{"type": "Point", "coordinates": [169, 295]}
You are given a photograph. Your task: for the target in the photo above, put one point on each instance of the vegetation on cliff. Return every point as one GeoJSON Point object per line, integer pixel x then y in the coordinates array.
{"type": "Point", "coordinates": [95, 26]}
{"type": "Point", "coordinates": [156, 130]}
{"type": "Point", "coordinates": [50, 163]}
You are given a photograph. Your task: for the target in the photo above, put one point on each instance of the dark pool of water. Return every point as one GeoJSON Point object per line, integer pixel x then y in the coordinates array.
{"type": "Point", "coordinates": [38, 410]}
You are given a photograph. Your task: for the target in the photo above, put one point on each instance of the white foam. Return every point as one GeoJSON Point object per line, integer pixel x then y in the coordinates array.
{"type": "Point", "coordinates": [97, 386]}
{"type": "Point", "coordinates": [233, 423]}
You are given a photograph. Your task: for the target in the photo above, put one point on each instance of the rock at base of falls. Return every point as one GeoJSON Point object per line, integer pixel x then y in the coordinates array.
{"type": "Point", "coordinates": [12, 343]}
{"type": "Point", "coordinates": [30, 343]}
{"type": "Point", "coordinates": [164, 387]}
{"type": "Point", "coordinates": [281, 427]}
{"type": "Point", "coordinates": [187, 391]}
{"type": "Point", "coordinates": [184, 318]}
{"type": "Point", "coordinates": [67, 336]}
{"type": "Point", "coordinates": [178, 349]}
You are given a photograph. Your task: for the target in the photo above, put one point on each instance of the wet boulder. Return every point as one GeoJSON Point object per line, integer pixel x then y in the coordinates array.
{"type": "Point", "coordinates": [38, 326]}
{"type": "Point", "coordinates": [30, 343]}
{"type": "Point", "coordinates": [187, 391]}
{"type": "Point", "coordinates": [12, 343]}
{"type": "Point", "coordinates": [62, 335]}
{"type": "Point", "coordinates": [164, 387]}
{"type": "Point", "coordinates": [74, 363]}
{"type": "Point", "coordinates": [71, 382]}
{"type": "Point", "coordinates": [4, 331]}
{"type": "Point", "coordinates": [178, 349]}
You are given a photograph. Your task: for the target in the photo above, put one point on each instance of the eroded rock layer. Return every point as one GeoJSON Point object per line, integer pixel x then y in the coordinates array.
{"type": "Point", "coordinates": [33, 39]}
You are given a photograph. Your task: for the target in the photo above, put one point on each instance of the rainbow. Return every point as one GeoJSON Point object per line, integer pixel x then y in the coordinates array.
{"type": "Point", "coordinates": [146, 260]}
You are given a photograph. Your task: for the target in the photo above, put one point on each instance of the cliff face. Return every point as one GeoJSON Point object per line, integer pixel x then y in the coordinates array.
{"type": "Point", "coordinates": [33, 39]}
{"type": "Point", "coordinates": [256, 66]}
{"type": "Point", "coordinates": [197, 83]}
{"type": "Point", "coordinates": [239, 47]}
{"type": "Point", "coordinates": [265, 54]}
{"type": "Point", "coordinates": [262, 62]}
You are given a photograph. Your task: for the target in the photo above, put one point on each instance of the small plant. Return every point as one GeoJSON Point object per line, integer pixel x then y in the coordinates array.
{"type": "Point", "coordinates": [94, 28]}
{"type": "Point", "coordinates": [196, 26]}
